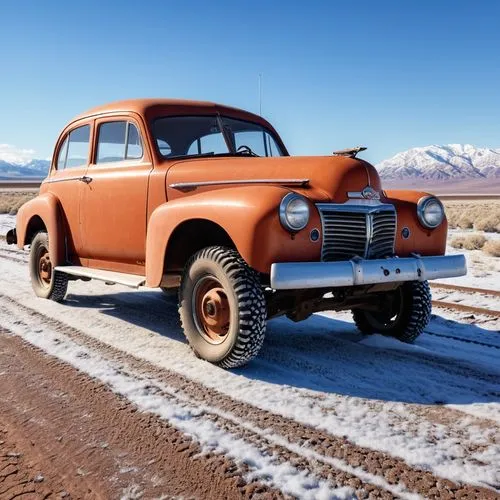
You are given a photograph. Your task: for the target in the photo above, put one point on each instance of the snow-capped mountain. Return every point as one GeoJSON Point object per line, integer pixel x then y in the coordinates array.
{"type": "Point", "coordinates": [440, 163]}
{"type": "Point", "coordinates": [32, 168]}
{"type": "Point", "coordinates": [17, 162]}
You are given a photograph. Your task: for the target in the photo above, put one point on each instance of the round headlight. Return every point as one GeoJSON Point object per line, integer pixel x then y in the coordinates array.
{"type": "Point", "coordinates": [294, 212]}
{"type": "Point", "coordinates": [430, 212]}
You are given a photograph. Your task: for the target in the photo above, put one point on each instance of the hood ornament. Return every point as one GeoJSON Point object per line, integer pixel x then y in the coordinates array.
{"type": "Point", "coordinates": [368, 193]}
{"type": "Point", "coordinates": [349, 152]}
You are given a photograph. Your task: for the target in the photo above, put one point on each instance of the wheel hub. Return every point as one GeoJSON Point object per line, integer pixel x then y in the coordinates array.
{"type": "Point", "coordinates": [45, 266]}
{"type": "Point", "coordinates": [212, 309]}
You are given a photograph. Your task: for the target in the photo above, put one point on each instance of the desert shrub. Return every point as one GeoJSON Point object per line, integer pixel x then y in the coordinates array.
{"type": "Point", "coordinates": [453, 216]}
{"type": "Point", "coordinates": [11, 202]}
{"type": "Point", "coordinates": [492, 247]}
{"type": "Point", "coordinates": [465, 222]}
{"type": "Point", "coordinates": [488, 223]}
{"type": "Point", "coordinates": [468, 242]}
{"type": "Point", "coordinates": [457, 241]}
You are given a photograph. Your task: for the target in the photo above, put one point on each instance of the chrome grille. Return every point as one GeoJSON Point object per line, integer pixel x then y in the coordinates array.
{"type": "Point", "coordinates": [357, 230]}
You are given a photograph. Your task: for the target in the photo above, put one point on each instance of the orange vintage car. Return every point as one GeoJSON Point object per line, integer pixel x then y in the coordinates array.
{"type": "Point", "coordinates": [205, 199]}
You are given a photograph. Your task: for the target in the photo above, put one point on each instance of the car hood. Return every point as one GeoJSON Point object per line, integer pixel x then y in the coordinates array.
{"type": "Point", "coordinates": [320, 178]}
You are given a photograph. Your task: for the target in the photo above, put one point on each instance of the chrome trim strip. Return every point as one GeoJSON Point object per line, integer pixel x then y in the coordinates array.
{"type": "Point", "coordinates": [194, 185]}
{"type": "Point", "coordinates": [64, 179]}
{"type": "Point", "coordinates": [358, 207]}
{"type": "Point", "coordinates": [355, 272]}
{"type": "Point", "coordinates": [355, 194]}
{"type": "Point", "coordinates": [369, 233]}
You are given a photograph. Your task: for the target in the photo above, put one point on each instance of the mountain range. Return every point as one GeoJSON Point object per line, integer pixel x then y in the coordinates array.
{"type": "Point", "coordinates": [31, 168]}
{"type": "Point", "coordinates": [448, 167]}
{"type": "Point", "coordinates": [438, 163]}
{"type": "Point", "coordinates": [452, 168]}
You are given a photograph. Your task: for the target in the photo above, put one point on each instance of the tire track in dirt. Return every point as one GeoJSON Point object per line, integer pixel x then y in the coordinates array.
{"type": "Point", "coordinates": [461, 339]}
{"type": "Point", "coordinates": [98, 443]}
{"type": "Point", "coordinates": [12, 257]}
{"type": "Point", "coordinates": [267, 443]}
{"type": "Point", "coordinates": [317, 444]}
{"type": "Point", "coordinates": [21, 468]}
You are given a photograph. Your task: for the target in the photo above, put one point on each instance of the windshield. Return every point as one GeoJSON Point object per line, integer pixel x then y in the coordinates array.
{"type": "Point", "coordinates": [178, 136]}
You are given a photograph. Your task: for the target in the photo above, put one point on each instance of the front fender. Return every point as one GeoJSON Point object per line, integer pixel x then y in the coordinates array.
{"type": "Point", "coordinates": [47, 207]}
{"type": "Point", "coordinates": [422, 240]}
{"type": "Point", "coordinates": [248, 214]}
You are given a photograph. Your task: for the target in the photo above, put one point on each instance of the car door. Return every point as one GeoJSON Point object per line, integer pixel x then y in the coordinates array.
{"type": "Point", "coordinates": [66, 181]}
{"type": "Point", "coordinates": [114, 199]}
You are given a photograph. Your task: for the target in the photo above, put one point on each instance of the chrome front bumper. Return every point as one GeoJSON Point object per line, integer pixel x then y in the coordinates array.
{"type": "Point", "coordinates": [298, 275]}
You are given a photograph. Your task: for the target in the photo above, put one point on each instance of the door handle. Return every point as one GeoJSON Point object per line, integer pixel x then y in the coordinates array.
{"type": "Point", "coordinates": [85, 179]}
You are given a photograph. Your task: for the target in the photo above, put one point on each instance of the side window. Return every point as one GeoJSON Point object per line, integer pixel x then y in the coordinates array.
{"type": "Point", "coordinates": [111, 142]}
{"type": "Point", "coordinates": [134, 143]}
{"type": "Point", "coordinates": [78, 147]}
{"type": "Point", "coordinates": [61, 157]}
{"type": "Point", "coordinates": [118, 141]}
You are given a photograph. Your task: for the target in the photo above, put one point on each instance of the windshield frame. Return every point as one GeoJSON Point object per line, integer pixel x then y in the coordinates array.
{"type": "Point", "coordinates": [222, 130]}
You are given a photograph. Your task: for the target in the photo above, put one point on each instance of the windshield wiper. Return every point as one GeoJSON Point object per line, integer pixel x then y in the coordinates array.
{"type": "Point", "coordinates": [195, 155]}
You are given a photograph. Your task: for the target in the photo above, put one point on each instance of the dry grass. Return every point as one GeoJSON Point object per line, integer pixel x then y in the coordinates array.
{"type": "Point", "coordinates": [481, 215]}
{"type": "Point", "coordinates": [468, 242]}
{"type": "Point", "coordinates": [492, 247]}
{"type": "Point", "coordinates": [11, 202]}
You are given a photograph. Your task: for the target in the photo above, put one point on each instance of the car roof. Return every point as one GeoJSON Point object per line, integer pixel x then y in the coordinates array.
{"type": "Point", "coordinates": [146, 107]}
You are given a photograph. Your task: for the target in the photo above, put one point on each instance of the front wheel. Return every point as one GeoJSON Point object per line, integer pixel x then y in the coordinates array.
{"type": "Point", "coordinates": [46, 282]}
{"type": "Point", "coordinates": [222, 307]}
{"type": "Point", "coordinates": [405, 315]}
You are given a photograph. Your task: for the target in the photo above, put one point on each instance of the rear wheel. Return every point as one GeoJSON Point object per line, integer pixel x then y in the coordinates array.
{"type": "Point", "coordinates": [405, 315]}
{"type": "Point", "coordinates": [222, 307]}
{"type": "Point", "coordinates": [46, 282]}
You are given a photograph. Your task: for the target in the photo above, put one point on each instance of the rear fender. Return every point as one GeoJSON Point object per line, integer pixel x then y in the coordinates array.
{"type": "Point", "coordinates": [248, 214]}
{"type": "Point", "coordinates": [47, 208]}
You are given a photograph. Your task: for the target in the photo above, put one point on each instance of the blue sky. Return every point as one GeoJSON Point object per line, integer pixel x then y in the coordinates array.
{"type": "Point", "coordinates": [386, 74]}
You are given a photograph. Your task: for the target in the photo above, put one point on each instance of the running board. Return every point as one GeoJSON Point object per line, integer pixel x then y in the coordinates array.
{"type": "Point", "coordinates": [110, 277]}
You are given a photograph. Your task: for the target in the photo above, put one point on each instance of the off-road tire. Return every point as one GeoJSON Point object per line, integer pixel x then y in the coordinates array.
{"type": "Point", "coordinates": [413, 318]}
{"type": "Point", "coordinates": [248, 312]}
{"type": "Point", "coordinates": [58, 286]}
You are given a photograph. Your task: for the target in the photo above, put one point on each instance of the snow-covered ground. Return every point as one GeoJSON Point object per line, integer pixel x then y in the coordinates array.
{"type": "Point", "coordinates": [434, 405]}
{"type": "Point", "coordinates": [483, 269]}
{"type": "Point", "coordinates": [6, 222]}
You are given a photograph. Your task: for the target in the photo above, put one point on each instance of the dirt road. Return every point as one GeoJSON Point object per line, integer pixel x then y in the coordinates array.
{"type": "Point", "coordinates": [102, 399]}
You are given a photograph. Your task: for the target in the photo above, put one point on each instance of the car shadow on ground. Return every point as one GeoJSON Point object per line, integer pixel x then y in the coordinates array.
{"type": "Point", "coordinates": [330, 356]}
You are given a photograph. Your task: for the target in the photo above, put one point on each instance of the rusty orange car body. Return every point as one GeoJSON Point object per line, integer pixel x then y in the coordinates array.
{"type": "Point", "coordinates": [149, 214]}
